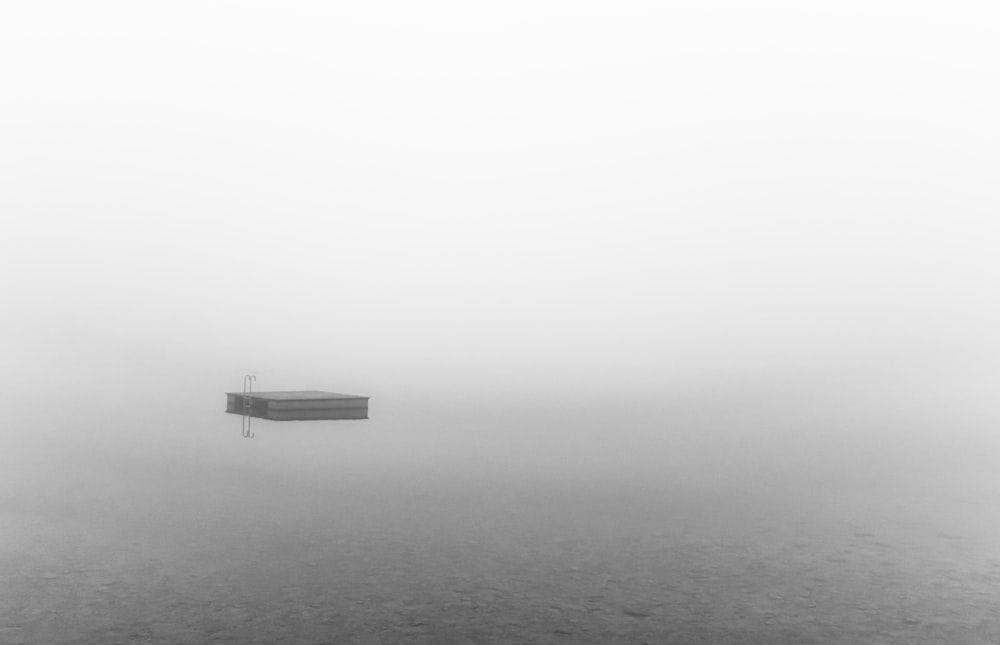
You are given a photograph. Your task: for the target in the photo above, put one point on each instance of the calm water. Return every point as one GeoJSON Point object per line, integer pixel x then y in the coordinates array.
{"type": "Point", "coordinates": [691, 522]}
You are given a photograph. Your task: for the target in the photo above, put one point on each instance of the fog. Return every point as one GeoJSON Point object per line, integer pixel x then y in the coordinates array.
{"type": "Point", "coordinates": [678, 320]}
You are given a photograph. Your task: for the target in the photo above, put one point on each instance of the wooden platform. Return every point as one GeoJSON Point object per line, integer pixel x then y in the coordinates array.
{"type": "Point", "coordinates": [299, 406]}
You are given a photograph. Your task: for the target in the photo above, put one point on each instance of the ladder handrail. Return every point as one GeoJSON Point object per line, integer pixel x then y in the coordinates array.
{"type": "Point", "coordinates": [248, 381]}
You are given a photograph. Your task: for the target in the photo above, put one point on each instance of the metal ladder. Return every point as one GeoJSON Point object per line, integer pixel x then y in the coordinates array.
{"type": "Point", "coordinates": [248, 381]}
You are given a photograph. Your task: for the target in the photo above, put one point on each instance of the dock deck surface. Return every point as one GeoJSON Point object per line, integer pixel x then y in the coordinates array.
{"type": "Point", "coordinates": [298, 405]}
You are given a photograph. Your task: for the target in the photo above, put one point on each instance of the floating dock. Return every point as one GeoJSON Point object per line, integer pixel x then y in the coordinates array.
{"type": "Point", "coordinates": [297, 406]}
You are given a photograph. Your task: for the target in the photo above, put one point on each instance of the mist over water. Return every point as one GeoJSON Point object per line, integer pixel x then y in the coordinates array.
{"type": "Point", "coordinates": [822, 509]}
{"type": "Point", "coordinates": [677, 319]}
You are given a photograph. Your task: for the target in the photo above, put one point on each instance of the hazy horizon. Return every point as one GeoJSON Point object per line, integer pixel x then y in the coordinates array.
{"type": "Point", "coordinates": [679, 321]}
{"type": "Point", "coordinates": [569, 198]}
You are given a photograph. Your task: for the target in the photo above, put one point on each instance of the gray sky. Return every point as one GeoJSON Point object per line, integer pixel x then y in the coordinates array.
{"type": "Point", "coordinates": [567, 197]}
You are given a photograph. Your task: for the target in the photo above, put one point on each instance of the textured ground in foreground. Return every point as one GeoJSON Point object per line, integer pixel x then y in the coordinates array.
{"type": "Point", "coordinates": [368, 557]}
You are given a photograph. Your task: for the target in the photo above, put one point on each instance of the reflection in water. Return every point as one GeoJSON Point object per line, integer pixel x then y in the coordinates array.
{"type": "Point", "coordinates": [727, 519]}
